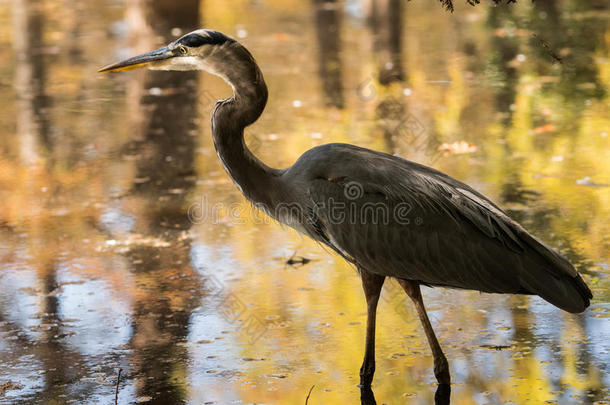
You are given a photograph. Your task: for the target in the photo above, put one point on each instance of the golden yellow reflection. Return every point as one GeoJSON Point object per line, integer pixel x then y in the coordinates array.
{"type": "Point", "coordinates": [125, 245]}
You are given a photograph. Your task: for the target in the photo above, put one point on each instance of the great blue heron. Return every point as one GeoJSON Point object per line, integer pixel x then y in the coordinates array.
{"type": "Point", "coordinates": [359, 203]}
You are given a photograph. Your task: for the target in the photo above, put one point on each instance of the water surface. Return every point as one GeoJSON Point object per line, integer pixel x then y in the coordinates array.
{"type": "Point", "coordinates": [124, 245]}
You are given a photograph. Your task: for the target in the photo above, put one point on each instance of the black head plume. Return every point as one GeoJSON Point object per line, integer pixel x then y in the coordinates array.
{"type": "Point", "coordinates": [203, 37]}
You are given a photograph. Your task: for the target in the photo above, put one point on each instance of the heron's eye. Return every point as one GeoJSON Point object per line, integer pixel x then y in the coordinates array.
{"type": "Point", "coordinates": [183, 50]}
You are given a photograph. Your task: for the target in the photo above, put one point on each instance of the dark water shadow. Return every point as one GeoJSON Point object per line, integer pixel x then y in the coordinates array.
{"type": "Point", "coordinates": [442, 396]}
{"type": "Point", "coordinates": [163, 150]}
{"type": "Point", "coordinates": [385, 20]}
{"type": "Point", "coordinates": [328, 28]}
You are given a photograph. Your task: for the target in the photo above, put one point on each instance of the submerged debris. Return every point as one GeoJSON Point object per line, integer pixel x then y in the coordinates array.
{"type": "Point", "coordinates": [9, 385]}
{"type": "Point", "coordinates": [278, 376]}
{"type": "Point", "coordinates": [548, 49]}
{"type": "Point", "coordinates": [448, 4]}
{"type": "Point", "coordinates": [586, 181]}
{"type": "Point", "coordinates": [297, 261]}
{"type": "Point", "coordinates": [495, 347]}
{"type": "Point", "coordinates": [457, 148]}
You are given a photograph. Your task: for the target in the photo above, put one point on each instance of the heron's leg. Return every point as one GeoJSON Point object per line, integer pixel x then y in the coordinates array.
{"type": "Point", "coordinates": [441, 367]}
{"type": "Point", "coordinates": [371, 283]}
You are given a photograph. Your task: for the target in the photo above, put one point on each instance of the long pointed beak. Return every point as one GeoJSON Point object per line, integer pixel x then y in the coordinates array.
{"type": "Point", "coordinates": [139, 61]}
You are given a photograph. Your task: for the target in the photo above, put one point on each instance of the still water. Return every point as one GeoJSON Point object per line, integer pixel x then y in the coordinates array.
{"type": "Point", "coordinates": [124, 246]}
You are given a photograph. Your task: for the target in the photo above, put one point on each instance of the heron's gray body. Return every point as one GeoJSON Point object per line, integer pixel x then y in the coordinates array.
{"type": "Point", "coordinates": [416, 223]}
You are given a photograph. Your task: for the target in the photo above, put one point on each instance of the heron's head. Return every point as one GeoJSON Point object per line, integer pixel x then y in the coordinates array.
{"type": "Point", "coordinates": [215, 53]}
{"type": "Point", "coordinates": [193, 51]}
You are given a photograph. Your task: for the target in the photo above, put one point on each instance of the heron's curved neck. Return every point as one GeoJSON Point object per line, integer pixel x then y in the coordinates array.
{"type": "Point", "coordinates": [235, 64]}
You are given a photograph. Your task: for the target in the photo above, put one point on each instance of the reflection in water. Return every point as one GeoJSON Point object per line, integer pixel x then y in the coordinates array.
{"type": "Point", "coordinates": [385, 19]}
{"type": "Point", "coordinates": [165, 174]}
{"type": "Point", "coordinates": [328, 30]}
{"type": "Point", "coordinates": [60, 361]}
{"type": "Point", "coordinates": [580, 36]}
{"type": "Point", "coordinates": [505, 49]}
{"type": "Point", "coordinates": [404, 133]}
{"type": "Point", "coordinates": [101, 268]}
{"type": "Point", "coordinates": [30, 79]}
{"type": "Point", "coordinates": [442, 395]}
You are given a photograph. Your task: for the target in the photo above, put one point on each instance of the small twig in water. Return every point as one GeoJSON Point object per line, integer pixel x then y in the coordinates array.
{"type": "Point", "coordinates": [116, 392]}
{"type": "Point", "coordinates": [548, 49]}
{"type": "Point", "coordinates": [297, 260]}
{"type": "Point", "coordinates": [308, 394]}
